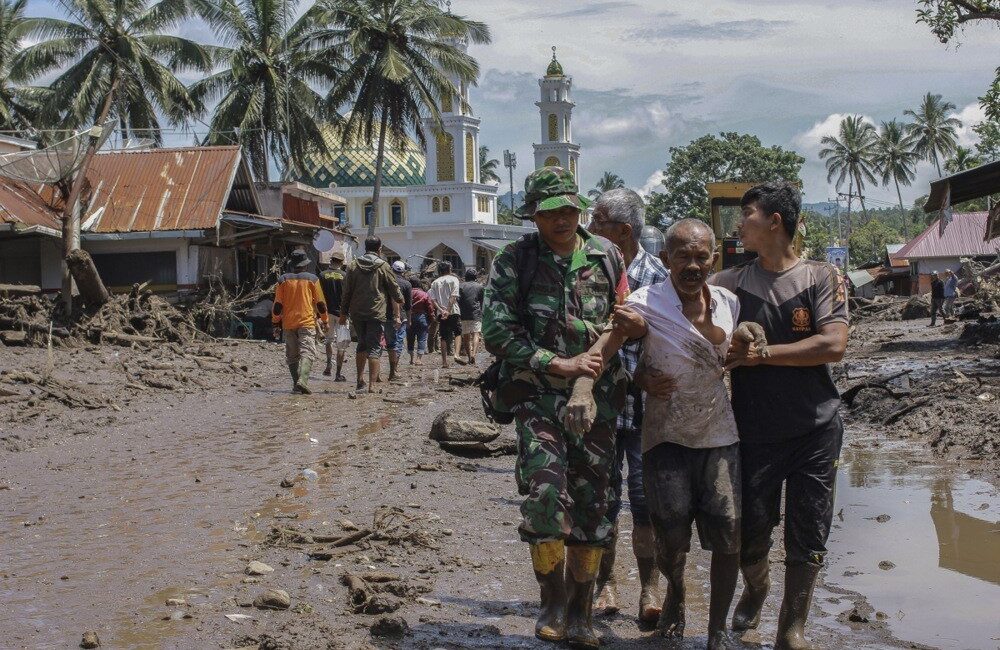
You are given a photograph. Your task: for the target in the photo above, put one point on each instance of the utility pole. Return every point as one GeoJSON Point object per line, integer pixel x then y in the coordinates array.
{"type": "Point", "coordinates": [510, 162]}
{"type": "Point", "coordinates": [836, 213]}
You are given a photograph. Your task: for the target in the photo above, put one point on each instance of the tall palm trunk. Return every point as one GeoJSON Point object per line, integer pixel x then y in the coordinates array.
{"type": "Point", "coordinates": [71, 207]}
{"type": "Point", "coordinates": [902, 210]}
{"type": "Point", "coordinates": [378, 174]}
{"type": "Point", "coordinates": [861, 197]}
{"type": "Point", "coordinates": [937, 163]}
{"type": "Point", "coordinates": [847, 240]}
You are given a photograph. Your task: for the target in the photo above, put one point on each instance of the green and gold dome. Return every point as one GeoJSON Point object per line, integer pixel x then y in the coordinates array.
{"type": "Point", "coordinates": [555, 68]}
{"type": "Point", "coordinates": [336, 165]}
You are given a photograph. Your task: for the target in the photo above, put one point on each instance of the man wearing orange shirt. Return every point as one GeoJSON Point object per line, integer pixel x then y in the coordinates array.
{"type": "Point", "coordinates": [298, 301]}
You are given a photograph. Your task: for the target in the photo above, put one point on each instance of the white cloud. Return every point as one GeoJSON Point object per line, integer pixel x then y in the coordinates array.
{"type": "Point", "coordinates": [808, 143]}
{"type": "Point", "coordinates": [653, 184]}
{"type": "Point", "coordinates": [970, 116]}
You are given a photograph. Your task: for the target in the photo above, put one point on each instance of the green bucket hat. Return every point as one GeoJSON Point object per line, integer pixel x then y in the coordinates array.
{"type": "Point", "coordinates": [550, 188]}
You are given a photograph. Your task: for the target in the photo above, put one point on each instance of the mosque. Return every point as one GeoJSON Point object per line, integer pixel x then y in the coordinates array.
{"type": "Point", "coordinates": [434, 204]}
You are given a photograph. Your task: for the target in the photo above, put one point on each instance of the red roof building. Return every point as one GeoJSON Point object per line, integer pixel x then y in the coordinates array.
{"type": "Point", "coordinates": [932, 251]}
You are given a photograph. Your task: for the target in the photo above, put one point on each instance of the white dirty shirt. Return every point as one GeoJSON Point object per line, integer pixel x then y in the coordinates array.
{"type": "Point", "coordinates": [442, 290]}
{"type": "Point", "coordinates": [698, 414]}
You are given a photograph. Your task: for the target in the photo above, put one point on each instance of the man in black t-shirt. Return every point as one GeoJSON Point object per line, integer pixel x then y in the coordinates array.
{"type": "Point", "coordinates": [937, 298]}
{"type": "Point", "coordinates": [785, 405]}
{"type": "Point", "coordinates": [331, 281]}
{"type": "Point", "coordinates": [470, 306]}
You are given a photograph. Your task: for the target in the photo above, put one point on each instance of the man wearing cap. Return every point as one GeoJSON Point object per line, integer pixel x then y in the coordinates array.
{"type": "Point", "coordinates": [331, 280]}
{"type": "Point", "coordinates": [298, 301]}
{"type": "Point", "coordinates": [549, 296]}
{"type": "Point", "coordinates": [397, 343]}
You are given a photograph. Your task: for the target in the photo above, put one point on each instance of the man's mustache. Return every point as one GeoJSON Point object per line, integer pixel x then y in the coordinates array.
{"type": "Point", "coordinates": [692, 276]}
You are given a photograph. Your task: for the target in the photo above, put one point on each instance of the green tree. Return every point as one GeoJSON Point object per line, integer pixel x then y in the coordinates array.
{"type": "Point", "coordinates": [896, 160]}
{"type": "Point", "coordinates": [850, 156]}
{"type": "Point", "coordinates": [488, 166]}
{"type": "Point", "coordinates": [988, 147]}
{"type": "Point", "coordinates": [935, 134]}
{"type": "Point", "coordinates": [19, 105]}
{"type": "Point", "coordinates": [820, 233]}
{"type": "Point", "coordinates": [266, 89]}
{"type": "Point", "coordinates": [607, 181]}
{"type": "Point", "coordinates": [506, 216]}
{"type": "Point", "coordinates": [868, 241]}
{"type": "Point", "coordinates": [961, 159]}
{"type": "Point", "coordinates": [732, 157]}
{"type": "Point", "coordinates": [115, 59]}
{"type": "Point", "coordinates": [403, 57]}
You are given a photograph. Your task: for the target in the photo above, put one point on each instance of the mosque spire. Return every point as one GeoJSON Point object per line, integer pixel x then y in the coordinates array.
{"type": "Point", "coordinates": [555, 68]}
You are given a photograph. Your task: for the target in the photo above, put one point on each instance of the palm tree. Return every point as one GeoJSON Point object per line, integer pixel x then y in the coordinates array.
{"type": "Point", "coordinates": [269, 89]}
{"type": "Point", "coordinates": [608, 181]}
{"type": "Point", "coordinates": [896, 159]}
{"type": "Point", "coordinates": [962, 158]}
{"type": "Point", "coordinates": [935, 132]}
{"type": "Point", "coordinates": [18, 104]}
{"type": "Point", "coordinates": [850, 156]}
{"type": "Point", "coordinates": [487, 166]}
{"type": "Point", "coordinates": [404, 57]}
{"type": "Point", "coordinates": [121, 60]}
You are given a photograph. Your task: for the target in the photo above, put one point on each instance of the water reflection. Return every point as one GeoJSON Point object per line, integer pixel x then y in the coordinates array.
{"type": "Point", "coordinates": [966, 544]}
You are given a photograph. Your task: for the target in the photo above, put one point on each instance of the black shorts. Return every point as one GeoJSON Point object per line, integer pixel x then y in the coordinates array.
{"type": "Point", "coordinates": [451, 327]}
{"type": "Point", "coordinates": [686, 485]}
{"type": "Point", "coordinates": [807, 465]}
{"type": "Point", "coordinates": [370, 333]}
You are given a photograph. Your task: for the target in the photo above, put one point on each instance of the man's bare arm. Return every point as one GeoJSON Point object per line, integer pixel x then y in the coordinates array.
{"type": "Point", "coordinates": [828, 346]}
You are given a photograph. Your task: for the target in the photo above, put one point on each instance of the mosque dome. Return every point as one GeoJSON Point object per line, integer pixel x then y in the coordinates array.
{"type": "Point", "coordinates": [353, 165]}
{"type": "Point", "coordinates": [555, 68]}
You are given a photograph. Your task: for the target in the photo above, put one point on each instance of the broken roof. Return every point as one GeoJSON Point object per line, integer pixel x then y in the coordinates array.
{"type": "Point", "coordinates": [21, 206]}
{"type": "Point", "coordinates": [965, 186]}
{"type": "Point", "coordinates": [962, 238]}
{"type": "Point", "coordinates": [183, 188]}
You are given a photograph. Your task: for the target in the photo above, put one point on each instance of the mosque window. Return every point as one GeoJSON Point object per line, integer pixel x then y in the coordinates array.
{"type": "Point", "coordinates": [446, 204]}
{"type": "Point", "coordinates": [446, 105]}
{"type": "Point", "coordinates": [566, 128]}
{"type": "Point", "coordinates": [445, 157]}
{"type": "Point", "coordinates": [368, 213]}
{"type": "Point", "coordinates": [553, 127]}
{"type": "Point", "coordinates": [551, 161]}
{"type": "Point", "coordinates": [396, 210]}
{"type": "Point", "coordinates": [572, 166]}
{"type": "Point", "coordinates": [340, 213]}
{"type": "Point", "coordinates": [470, 158]}
{"type": "Point", "coordinates": [435, 204]}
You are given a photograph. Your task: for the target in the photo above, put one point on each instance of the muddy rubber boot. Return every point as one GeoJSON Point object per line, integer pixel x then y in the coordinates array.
{"type": "Point", "coordinates": [799, 582]}
{"type": "Point", "coordinates": [606, 600]}
{"type": "Point", "coordinates": [650, 599]}
{"type": "Point", "coordinates": [756, 583]}
{"type": "Point", "coordinates": [548, 561]}
{"type": "Point", "coordinates": [293, 370]}
{"type": "Point", "coordinates": [305, 367]}
{"type": "Point", "coordinates": [582, 565]}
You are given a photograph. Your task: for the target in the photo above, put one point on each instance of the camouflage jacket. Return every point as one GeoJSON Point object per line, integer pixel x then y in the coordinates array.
{"type": "Point", "coordinates": [567, 307]}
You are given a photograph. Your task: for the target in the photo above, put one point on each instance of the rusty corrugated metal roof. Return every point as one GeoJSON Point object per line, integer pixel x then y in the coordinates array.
{"type": "Point", "coordinates": [20, 204]}
{"type": "Point", "coordinates": [963, 237]}
{"type": "Point", "coordinates": [166, 189]}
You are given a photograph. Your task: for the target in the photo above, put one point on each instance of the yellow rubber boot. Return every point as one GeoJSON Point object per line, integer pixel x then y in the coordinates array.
{"type": "Point", "coordinates": [549, 561]}
{"type": "Point", "coordinates": [582, 565]}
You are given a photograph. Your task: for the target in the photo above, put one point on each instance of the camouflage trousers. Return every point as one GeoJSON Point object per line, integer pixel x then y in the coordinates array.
{"type": "Point", "coordinates": [565, 478]}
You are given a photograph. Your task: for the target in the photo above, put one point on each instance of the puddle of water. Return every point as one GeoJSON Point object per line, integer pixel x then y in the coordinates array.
{"type": "Point", "coordinates": [919, 368]}
{"type": "Point", "coordinates": [943, 537]}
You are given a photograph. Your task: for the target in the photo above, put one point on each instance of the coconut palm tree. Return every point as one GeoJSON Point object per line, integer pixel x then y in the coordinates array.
{"type": "Point", "coordinates": [487, 166]}
{"type": "Point", "coordinates": [961, 159]}
{"type": "Point", "coordinates": [115, 58]}
{"type": "Point", "coordinates": [895, 159]}
{"type": "Point", "coordinates": [273, 73]}
{"type": "Point", "coordinates": [935, 132]}
{"type": "Point", "coordinates": [404, 56]}
{"type": "Point", "coordinates": [608, 181]}
{"type": "Point", "coordinates": [850, 156]}
{"type": "Point", "coordinates": [18, 104]}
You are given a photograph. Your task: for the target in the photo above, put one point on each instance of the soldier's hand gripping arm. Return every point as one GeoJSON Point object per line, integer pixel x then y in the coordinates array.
{"type": "Point", "coordinates": [581, 409]}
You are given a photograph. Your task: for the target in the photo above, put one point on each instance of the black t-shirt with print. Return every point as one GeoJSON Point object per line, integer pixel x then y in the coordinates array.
{"type": "Point", "coordinates": [777, 403]}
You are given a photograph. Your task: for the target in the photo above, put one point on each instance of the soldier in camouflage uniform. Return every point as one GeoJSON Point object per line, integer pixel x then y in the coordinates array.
{"type": "Point", "coordinates": [544, 338]}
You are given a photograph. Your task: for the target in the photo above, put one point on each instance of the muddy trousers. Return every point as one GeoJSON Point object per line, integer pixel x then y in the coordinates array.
{"type": "Point", "coordinates": [807, 465]}
{"type": "Point", "coordinates": [300, 345]}
{"type": "Point", "coordinates": [564, 478]}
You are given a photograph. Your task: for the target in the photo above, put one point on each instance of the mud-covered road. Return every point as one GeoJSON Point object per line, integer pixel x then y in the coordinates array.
{"type": "Point", "coordinates": [169, 495]}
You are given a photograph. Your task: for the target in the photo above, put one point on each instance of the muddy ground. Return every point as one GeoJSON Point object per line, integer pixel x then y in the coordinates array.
{"type": "Point", "coordinates": [137, 519]}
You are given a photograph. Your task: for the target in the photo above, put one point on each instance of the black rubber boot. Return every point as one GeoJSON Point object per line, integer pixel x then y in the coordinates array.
{"type": "Point", "coordinates": [800, 579]}
{"type": "Point", "coordinates": [548, 561]}
{"type": "Point", "coordinates": [650, 600]}
{"type": "Point", "coordinates": [582, 565]}
{"type": "Point", "coordinates": [756, 583]}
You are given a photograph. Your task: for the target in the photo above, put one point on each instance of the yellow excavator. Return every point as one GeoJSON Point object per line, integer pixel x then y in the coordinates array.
{"type": "Point", "coordinates": [724, 207]}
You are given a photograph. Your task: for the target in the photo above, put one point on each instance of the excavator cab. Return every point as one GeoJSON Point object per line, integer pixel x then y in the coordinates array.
{"type": "Point", "coordinates": [724, 205]}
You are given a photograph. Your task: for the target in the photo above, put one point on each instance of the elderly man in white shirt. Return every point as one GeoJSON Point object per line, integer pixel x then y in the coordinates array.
{"type": "Point", "coordinates": [691, 466]}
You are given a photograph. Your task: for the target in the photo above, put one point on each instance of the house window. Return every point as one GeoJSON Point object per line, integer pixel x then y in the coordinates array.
{"type": "Point", "coordinates": [396, 210]}
{"type": "Point", "coordinates": [553, 127]}
{"type": "Point", "coordinates": [435, 204]}
{"type": "Point", "coordinates": [340, 213]}
{"type": "Point", "coordinates": [446, 204]}
{"type": "Point", "coordinates": [445, 157]}
{"type": "Point", "coordinates": [368, 213]}
{"type": "Point", "coordinates": [551, 161]}
{"type": "Point", "coordinates": [470, 158]}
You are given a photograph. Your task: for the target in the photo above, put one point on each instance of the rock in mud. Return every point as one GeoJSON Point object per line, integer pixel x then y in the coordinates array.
{"type": "Point", "coordinates": [916, 307]}
{"type": "Point", "coordinates": [273, 599]}
{"type": "Point", "coordinates": [175, 602]}
{"type": "Point", "coordinates": [448, 427]}
{"type": "Point", "coordinates": [392, 627]}
{"type": "Point", "coordinates": [287, 483]}
{"type": "Point", "coordinates": [882, 518]}
{"type": "Point", "coordinates": [90, 640]}
{"type": "Point", "coordinates": [256, 568]}
{"type": "Point", "coordinates": [14, 337]}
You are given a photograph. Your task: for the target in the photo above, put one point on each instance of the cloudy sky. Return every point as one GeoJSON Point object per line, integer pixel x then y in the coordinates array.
{"type": "Point", "coordinates": [651, 74]}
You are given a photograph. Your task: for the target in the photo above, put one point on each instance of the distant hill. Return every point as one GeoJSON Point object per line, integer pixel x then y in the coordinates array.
{"type": "Point", "coordinates": [827, 208]}
{"type": "Point", "coordinates": [504, 199]}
